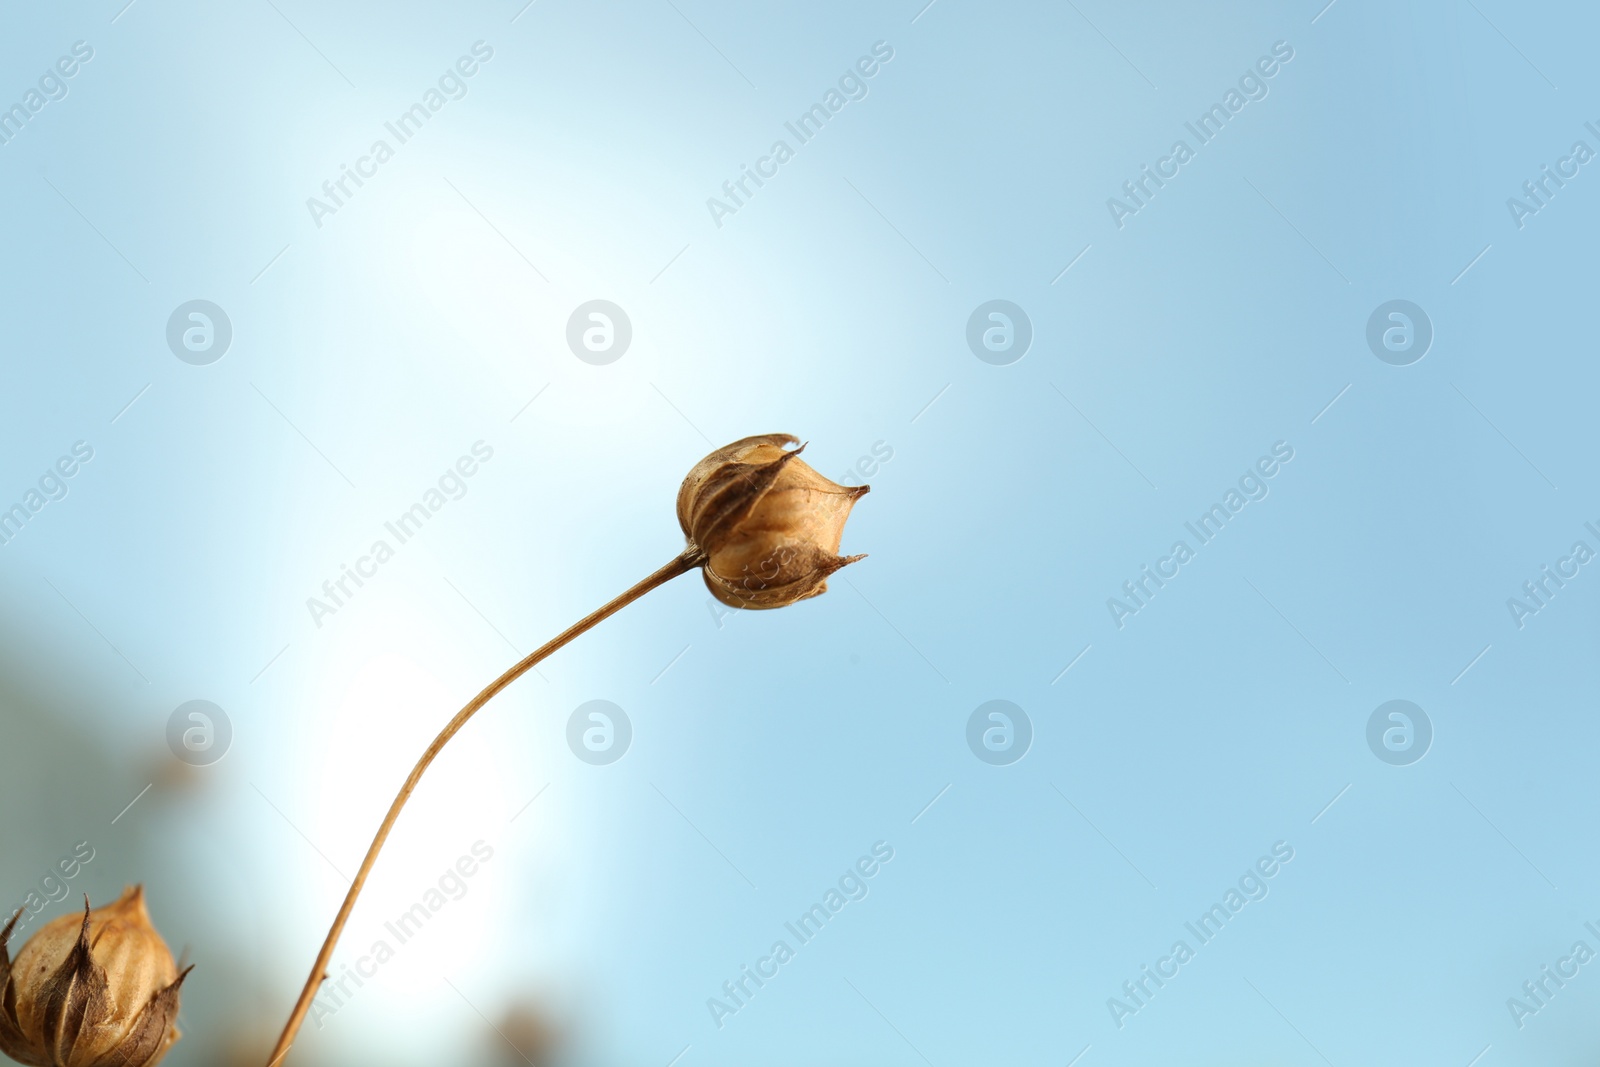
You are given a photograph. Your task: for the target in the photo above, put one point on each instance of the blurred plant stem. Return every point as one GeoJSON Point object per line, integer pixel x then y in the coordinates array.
{"type": "Point", "coordinates": [691, 558]}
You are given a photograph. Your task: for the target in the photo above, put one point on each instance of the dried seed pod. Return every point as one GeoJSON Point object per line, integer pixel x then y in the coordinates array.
{"type": "Point", "coordinates": [768, 524]}
{"type": "Point", "coordinates": [100, 990]}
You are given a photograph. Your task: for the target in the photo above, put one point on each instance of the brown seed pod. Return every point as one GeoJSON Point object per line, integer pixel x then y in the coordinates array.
{"type": "Point", "coordinates": [768, 524]}
{"type": "Point", "coordinates": [100, 990]}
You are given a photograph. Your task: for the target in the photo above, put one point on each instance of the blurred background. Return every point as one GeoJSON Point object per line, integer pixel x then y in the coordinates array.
{"type": "Point", "coordinates": [254, 365]}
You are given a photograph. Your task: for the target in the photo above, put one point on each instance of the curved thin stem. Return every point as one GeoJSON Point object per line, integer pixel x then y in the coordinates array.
{"type": "Point", "coordinates": [690, 559]}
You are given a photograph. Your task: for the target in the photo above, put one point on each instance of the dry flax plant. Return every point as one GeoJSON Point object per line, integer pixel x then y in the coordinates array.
{"type": "Point", "coordinates": [764, 529]}
{"type": "Point", "coordinates": [101, 990]}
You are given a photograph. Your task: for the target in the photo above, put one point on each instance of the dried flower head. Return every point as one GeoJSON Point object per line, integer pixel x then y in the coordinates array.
{"type": "Point", "coordinates": [100, 990]}
{"type": "Point", "coordinates": [768, 524]}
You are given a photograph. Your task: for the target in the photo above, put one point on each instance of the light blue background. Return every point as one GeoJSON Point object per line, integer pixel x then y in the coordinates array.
{"type": "Point", "coordinates": [369, 353]}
